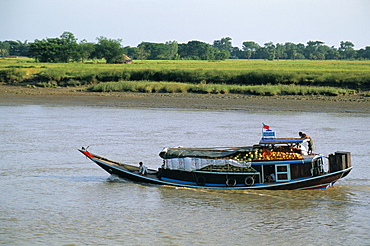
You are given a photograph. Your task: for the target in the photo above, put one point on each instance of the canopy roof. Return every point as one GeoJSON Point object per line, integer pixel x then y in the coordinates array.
{"type": "Point", "coordinates": [169, 153]}
{"type": "Point", "coordinates": [265, 141]}
{"type": "Point", "coordinates": [180, 152]}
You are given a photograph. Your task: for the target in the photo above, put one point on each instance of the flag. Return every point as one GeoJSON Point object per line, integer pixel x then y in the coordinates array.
{"type": "Point", "coordinates": [265, 126]}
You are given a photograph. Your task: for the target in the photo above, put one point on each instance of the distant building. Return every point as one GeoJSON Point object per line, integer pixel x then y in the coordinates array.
{"type": "Point", "coordinates": [124, 59]}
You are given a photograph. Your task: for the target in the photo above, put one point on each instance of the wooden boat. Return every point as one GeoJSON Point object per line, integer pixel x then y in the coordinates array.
{"type": "Point", "coordinates": [273, 164]}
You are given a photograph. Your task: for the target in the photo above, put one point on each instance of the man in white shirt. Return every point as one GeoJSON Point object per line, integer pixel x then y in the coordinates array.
{"type": "Point", "coordinates": [143, 170]}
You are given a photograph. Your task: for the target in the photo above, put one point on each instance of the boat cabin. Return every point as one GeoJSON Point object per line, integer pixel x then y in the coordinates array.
{"type": "Point", "coordinates": [272, 160]}
{"type": "Point", "coordinates": [287, 160]}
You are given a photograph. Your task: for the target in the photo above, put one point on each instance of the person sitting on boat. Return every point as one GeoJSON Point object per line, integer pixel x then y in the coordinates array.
{"type": "Point", "coordinates": [310, 143]}
{"type": "Point", "coordinates": [143, 170]}
{"type": "Point", "coordinates": [273, 177]}
{"type": "Point", "coordinates": [270, 178]}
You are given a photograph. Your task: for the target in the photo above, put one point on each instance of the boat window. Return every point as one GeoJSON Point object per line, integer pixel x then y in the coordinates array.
{"type": "Point", "coordinates": [282, 172]}
{"type": "Point", "coordinates": [318, 164]}
{"type": "Point", "coordinates": [281, 168]}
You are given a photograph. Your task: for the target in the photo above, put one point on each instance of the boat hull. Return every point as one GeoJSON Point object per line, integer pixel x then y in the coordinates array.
{"type": "Point", "coordinates": [192, 180]}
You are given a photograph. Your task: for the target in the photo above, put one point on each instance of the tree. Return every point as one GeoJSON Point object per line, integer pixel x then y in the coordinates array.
{"type": "Point", "coordinates": [18, 48]}
{"type": "Point", "coordinates": [141, 52]}
{"type": "Point", "coordinates": [4, 49]}
{"type": "Point", "coordinates": [45, 50]}
{"type": "Point", "coordinates": [250, 48]}
{"type": "Point", "coordinates": [159, 51]}
{"type": "Point", "coordinates": [223, 45]}
{"type": "Point", "coordinates": [324, 52]}
{"type": "Point", "coordinates": [171, 51]}
{"type": "Point", "coordinates": [311, 50]}
{"type": "Point", "coordinates": [68, 47]}
{"type": "Point", "coordinates": [271, 50]}
{"type": "Point", "coordinates": [237, 53]}
{"type": "Point", "coordinates": [130, 51]}
{"type": "Point", "coordinates": [346, 50]}
{"type": "Point", "coordinates": [332, 54]}
{"type": "Point", "coordinates": [300, 51]}
{"type": "Point", "coordinates": [61, 49]}
{"type": "Point", "coordinates": [280, 51]}
{"type": "Point", "coordinates": [262, 53]}
{"type": "Point", "coordinates": [109, 49]}
{"type": "Point", "coordinates": [222, 55]}
{"type": "Point", "coordinates": [364, 53]}
{"type": "Point", "coordinates": [85, 50]}
{"type": "Point", "coordinates": [197, 50]}
{"type": "Point", "coordinates": [291, 50]}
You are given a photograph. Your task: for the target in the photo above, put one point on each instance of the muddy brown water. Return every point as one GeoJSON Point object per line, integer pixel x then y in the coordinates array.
{"type": "Point", "coordinates": [52, 195]}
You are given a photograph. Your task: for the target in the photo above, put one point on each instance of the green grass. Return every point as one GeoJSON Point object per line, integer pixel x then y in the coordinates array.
{"type": "Point", "coordinates": [172, 87]}
{"type": "Point", "coordinates": [211, 77]}
{"type": "Point", "coordinates": [227, 65]}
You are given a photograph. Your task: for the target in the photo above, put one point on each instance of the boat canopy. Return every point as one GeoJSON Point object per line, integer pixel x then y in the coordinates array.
{"type": "Point", "coordinates": [169, 153]}
{"type": "Point", "coordinates": [266, 141]}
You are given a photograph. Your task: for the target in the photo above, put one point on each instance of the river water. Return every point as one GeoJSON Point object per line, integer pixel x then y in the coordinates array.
{"type": "Point", "coordinates": [52, 195]}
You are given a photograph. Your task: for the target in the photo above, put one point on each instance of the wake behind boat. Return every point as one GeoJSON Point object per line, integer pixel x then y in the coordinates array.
{"type": "Point", "coordinates": [273, 164]}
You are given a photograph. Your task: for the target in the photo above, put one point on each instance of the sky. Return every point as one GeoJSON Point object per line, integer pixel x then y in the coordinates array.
{"type": "Point", "coordinates": [136, 21]}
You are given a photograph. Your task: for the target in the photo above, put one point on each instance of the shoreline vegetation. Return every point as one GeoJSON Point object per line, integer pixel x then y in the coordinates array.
{"type": "Point", "coordinates": [19, 95]}
{"type": "Point", "coordinates": [203, 88]}
{"type": "Point", "coordinates": [230, 84]}
{"type": "Point", "coordinates": [349, 75]}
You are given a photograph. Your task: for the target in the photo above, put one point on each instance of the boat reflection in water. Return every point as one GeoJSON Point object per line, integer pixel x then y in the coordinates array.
{"type": "Point", "coordinates": [272, 164]}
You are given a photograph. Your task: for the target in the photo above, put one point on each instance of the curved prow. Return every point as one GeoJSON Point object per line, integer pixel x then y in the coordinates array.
{"type": "Point", "coordinates": [86, 153]}
{"type": "Point", "coordinates": [95, 158]}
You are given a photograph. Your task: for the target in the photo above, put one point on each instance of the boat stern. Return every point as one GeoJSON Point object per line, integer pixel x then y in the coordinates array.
{"type": "Point", "coordinates": [339, 161]}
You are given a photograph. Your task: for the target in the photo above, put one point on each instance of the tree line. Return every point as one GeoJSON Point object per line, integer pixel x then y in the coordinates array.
{"type": "Point", "coordinates": [66, 48]}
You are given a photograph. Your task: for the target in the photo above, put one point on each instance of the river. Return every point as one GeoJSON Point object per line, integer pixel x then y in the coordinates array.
{"type": "Point", "coordinates": [52, 195]}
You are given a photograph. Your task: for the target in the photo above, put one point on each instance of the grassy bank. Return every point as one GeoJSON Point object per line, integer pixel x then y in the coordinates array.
{"type": "Point", "coordinates": [18, 95]}
{"type": "Point", "coordinates": [171, 87]}
{"type": "Point", "coordinates": [232, 76]}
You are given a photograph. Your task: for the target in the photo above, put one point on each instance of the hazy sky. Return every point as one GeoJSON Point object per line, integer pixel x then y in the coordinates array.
{"type": "Point", "coordinates": [135, 21]}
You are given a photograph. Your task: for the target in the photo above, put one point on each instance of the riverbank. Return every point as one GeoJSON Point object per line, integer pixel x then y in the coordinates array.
{"type": "Point", "coordinates": [15, 95]}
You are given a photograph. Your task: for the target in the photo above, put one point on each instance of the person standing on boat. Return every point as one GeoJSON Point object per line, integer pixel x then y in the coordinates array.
{"type": "Point", "coordinates": [143, 170]}
{"type": "Point", "coordinates": [310, 142]}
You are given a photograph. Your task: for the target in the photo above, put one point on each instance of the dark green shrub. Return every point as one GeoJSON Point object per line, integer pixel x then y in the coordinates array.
{"type": "Point", "coordinates": [13, 75]}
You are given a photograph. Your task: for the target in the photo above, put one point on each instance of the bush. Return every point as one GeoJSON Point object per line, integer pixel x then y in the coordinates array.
{"type": "Point", "coordinates": [170, 87]}
{"type": "Point", "coordinates": [13, 75]}
{"type": "Point", "coordinates": [53, 74]}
